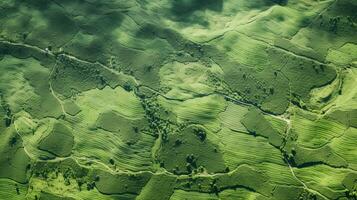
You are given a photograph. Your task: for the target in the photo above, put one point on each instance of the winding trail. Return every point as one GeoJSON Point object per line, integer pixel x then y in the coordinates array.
{"type": "Point", "coordinates": [52, 91]}
{"type": "Point", "coordinates": [305, 186]}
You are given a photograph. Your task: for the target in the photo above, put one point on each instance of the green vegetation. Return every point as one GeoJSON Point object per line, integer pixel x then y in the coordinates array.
{"type": "Point", "coordinates": [256, 124]}
{"type": "Point", "coordinates": [59, 141]}
{"type": "Point", "coordinates": [174, 100]}
{"type": "Point", "coordinates": [121, 183]}
{"type": "Point", "coordinates": [192, 152]}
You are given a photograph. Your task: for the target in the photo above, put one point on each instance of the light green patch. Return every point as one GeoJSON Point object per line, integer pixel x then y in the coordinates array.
{"type": "Point", "coordinates": [324, 179]}
{"type": "Point", "coordinates": [241, 148]}
{"type": "Point", "coordinates": [232, 115]}
{"type": "Point", "coordinates": [183, 195]}
{"type": "Point", "coordinates": [240, 194]}
{"type": "Point", "coordinates": [59, 142]}
{"type": "Point", "coordinates": [98, 101]}
{"type": "Point", "coordinates": [315, 133]}
{"type": "Point", "coordinates": [185, 80]}
{"type": "Point", "coordinates": [12, 190]}
{"type": "Point", "coordinates": [343, 56]}
{"type": "Point", "coordinates": [202, 110]}
{"type": "Point", "coordinates": [345, 146]}
{"type": "Point", "coordinates": [62, 187]}
{"type": "Point", "coordinates": [105, 145]}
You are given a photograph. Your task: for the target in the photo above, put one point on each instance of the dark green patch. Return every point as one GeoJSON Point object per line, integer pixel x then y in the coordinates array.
{"type": "Point", "coordinates": [129, 130]}
{"type": "Point", "coordinates": [71, 108]}
{"type": "Point", "coordinates": [49, 196]}
{"type": "Point", "coordinates": [59, 142]}
{"type": "Point", "coordinates": [186, 151]}
{"type": "Point", "coordinates": [346, 117]}
{"type": "Point", "coordinates": [123, 183]}
{"type": "Point", "coordinates": [14, 162]}
{"type": "Point", "coordinates": [160, 187]}
{"type": "Point", "coordinates": [257, 125]}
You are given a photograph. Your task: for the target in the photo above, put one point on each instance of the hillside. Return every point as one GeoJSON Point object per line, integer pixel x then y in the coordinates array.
{"type": "Point", "coordinates": [178, 99]}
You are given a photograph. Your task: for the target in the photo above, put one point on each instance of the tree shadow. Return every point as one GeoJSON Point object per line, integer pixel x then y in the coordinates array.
{"type": "Point", "coordinates": [184, 10]}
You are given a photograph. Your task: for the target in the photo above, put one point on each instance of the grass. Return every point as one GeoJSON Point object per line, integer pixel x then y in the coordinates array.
{"type": "Point", "coordinates": [242, 148]}
{"type": "Point", "coordinates": [188, 79]}
{"type": "Point", "coordinates": [256, 124]}
{"type": "Point", "coordinates": [239, 194]}
{"type": "Point", "coordinates": [158, 187]}
{"type": "Point", "coordinates": [180, 194]}
{"type": "Point", "coordinates": [121, 183]}
{"type": "Point", "coordinates": [279, 174]}
{"type": "Point", "coordinates": [59, 142]}
{"type": "Point", "coordinates": [202, 110]}
{"type": "Point", "coordinates": [342, 56]}
{"type": "Point", "coordinates": [231, 117]}
{"type": "Point", "coordinates": [342, 109]}
{"type": "Point", "coordinates": [71, 108]}
{"type": "Point", "coordinates": [344, 147]}
{"type": "Point", "coordinates": [326, 180]}
{"type": "Point", "coordinates": [12, 190]}
{"type": "Point", "coordinates": [130, 131]}
{"type": "Point", "coordinates": [327, 155]}
{"type": "Point", "coordinates": [27, 85]}
{"type": "Point", "coordinates": [15, 162]}
{"type": "Point", "coordinates": [191, 149]}
{"type": "Point", "coordinates": [316, 133]}
{"type": "Point", "coordinates": [128, 147]}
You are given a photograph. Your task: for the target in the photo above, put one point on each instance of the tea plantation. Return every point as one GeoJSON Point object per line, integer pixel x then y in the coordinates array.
{"type": "Point", "coordinates": [178, 99]}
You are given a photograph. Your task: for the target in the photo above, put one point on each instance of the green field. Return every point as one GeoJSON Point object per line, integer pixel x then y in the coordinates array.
{"type": "Point", "coordinates": [178, 100]}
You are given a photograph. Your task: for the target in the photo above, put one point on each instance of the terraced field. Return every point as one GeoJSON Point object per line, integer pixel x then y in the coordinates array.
{"type": "Point", "coordinates": [178, 99]}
